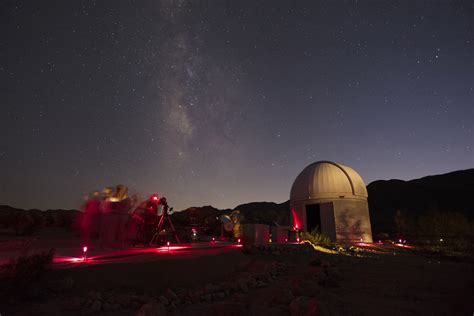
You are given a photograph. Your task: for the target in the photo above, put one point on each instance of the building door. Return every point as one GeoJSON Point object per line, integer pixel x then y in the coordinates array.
{"type": "Point", "coordinates": [313, 217]}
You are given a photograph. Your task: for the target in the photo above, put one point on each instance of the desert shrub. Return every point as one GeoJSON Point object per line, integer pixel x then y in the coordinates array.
{"type": "Point", "coordinates": [315, 237]}
{"type": "Point", "coordinates": [446, 230]}
{"type": "Point", "coordinates": [26, 225]}
{"type": "Point", "coordinates": [20, 274]}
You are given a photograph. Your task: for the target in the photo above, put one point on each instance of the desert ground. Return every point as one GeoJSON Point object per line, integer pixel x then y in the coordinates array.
{"type": "Point", "coordinates": [227, 279]}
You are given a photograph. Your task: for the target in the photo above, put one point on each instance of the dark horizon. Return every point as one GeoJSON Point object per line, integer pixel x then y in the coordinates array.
{"type": "Point", "coordinates": [224, 104]}
{"type": "Point", "coordinates": [281, 202]}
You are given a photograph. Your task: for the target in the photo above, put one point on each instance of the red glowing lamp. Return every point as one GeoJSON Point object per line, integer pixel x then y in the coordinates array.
{"type": "Point", "coordinates": [296, 220]}
{"type": "Point", "coordinates": [84, 252]}
{"type": "Point", "coordinates": [238, 240]}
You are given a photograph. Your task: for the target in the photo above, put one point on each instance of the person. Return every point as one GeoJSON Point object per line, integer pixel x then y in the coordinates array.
{"type": "Point", "coordinates": [144, 220]}
{"type": "Point", "coordinates": [90, 219]}
{"type": "Point", "coordinates": [105, 233]}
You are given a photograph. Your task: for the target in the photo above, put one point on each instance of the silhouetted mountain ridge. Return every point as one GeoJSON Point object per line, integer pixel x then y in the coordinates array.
{"type": "Point", "coordinates": [450, 192]}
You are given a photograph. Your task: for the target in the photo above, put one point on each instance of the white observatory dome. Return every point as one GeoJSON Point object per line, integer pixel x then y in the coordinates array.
{"type": "Point", "coordinates": [328, 180]}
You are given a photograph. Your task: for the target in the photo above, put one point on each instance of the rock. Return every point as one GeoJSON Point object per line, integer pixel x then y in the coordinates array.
{"type": "Point", "coordinates": [243, 285]}
{"type": "Point", "coordinates": [171, 294]}
{"type": "Point", "coordinates": [96, 306]}
{"type": "Point", "coordinates": [124, 303]}
{"type": "Point", "coordinates": [94, 295]}
{"type": "Point", "coordinates": [252, 282]}
{"type": "Point", "coordinates": [163, 300]}
{"type": "Point", "coordinates": [211, 288]}
{"type": "Point", "coordinates": [194, 298]}
{"type": "Point", "coordinates": [296, 287]}
{"type": "Point", "coordinates": [271, 296]}
{"type": "Point", "coordinates": [77, 302]}
{"type": "Point", "coordinates": [234, 287]}
{"type": "Point", "coordinates": [151, 309]}
{"type": "Point", "coordinates": [227, 309]}
{"type": "Point", "coordinates": [309, 288]}
{"type": "Point", "coordinates": [304, 306]}
{"type": "Point", "coordinates": [106, 307]}
{"type": "Point", "coordinates": [322, 277]}
{"type": "Point", "coordinates": [257, 310]}
{"type": "Point", "coordinates": [326, 280]}
{"type": "Point", "coordinates": [138, 299]}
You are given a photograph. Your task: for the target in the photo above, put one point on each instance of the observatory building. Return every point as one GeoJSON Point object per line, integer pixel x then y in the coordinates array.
{"type": "Point", "coordinates": [333, 198]}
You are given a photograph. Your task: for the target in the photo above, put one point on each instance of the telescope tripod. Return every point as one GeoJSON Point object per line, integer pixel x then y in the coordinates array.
{"type": "Point", "coordinates": [164, 218]}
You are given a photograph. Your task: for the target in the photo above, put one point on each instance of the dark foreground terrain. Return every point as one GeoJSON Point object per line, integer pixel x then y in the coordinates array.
{"type": "Point", "coordinates": [283, 280]}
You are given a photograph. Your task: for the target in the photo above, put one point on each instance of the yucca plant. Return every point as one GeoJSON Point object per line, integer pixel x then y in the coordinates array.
{"type": "Point", "coordinates": [316, 237]}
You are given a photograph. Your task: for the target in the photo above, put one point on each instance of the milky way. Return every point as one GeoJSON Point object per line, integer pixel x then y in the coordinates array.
{"type": "Point", "coordinates": [225, 103]}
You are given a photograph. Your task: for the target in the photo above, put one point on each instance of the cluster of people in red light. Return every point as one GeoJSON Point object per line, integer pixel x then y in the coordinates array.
{"type": "Point", "coordinates": [112, 219]}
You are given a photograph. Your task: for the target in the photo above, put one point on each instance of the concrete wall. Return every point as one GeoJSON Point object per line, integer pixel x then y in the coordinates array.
{"type": "Point", "coordinates": [280, 234]}
{"type": "Point", "coordinates": [352, 221]}
{"type": "Point", "coordinates": [342, 220]}
{"type": "Point", "coordinates": [256, 234]}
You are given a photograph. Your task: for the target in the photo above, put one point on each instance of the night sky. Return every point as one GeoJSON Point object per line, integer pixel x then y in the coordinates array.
{"type": "Point", "coordinates": [225, 102]}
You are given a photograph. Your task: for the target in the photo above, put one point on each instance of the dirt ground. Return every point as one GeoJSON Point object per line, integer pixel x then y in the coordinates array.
{"type": "Point", "coordinates": [388, 283]}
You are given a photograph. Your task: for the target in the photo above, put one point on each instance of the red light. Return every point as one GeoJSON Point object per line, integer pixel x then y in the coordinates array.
{"type": "Point", "coordinates": [84, 249]}
{"type": "Point", "coordinates": [296, 220]}
{"type": "Point", "coordinates": [298, 239]}
{"type": "Point", "coordinates": [238, 240]}
{"type": "Point", "coordinates": [213, 238]}
{"type": "Point", "coordinates": [168, 243]}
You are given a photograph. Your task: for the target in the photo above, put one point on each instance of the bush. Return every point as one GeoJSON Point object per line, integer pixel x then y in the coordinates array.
{"type": "Point", "coordinates": [446, 230]}
{"type": "Point", "coordinates": [315, 237]}
{"type": "Point", "coordinates": [19, 275]}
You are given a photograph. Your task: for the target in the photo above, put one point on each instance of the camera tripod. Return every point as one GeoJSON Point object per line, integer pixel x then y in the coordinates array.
{"type": "Point", "coordinates": [164, 218]}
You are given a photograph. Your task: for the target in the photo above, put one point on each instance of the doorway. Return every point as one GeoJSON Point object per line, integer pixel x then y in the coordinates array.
{"type": "Point", "coordinates": [313, 217]}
